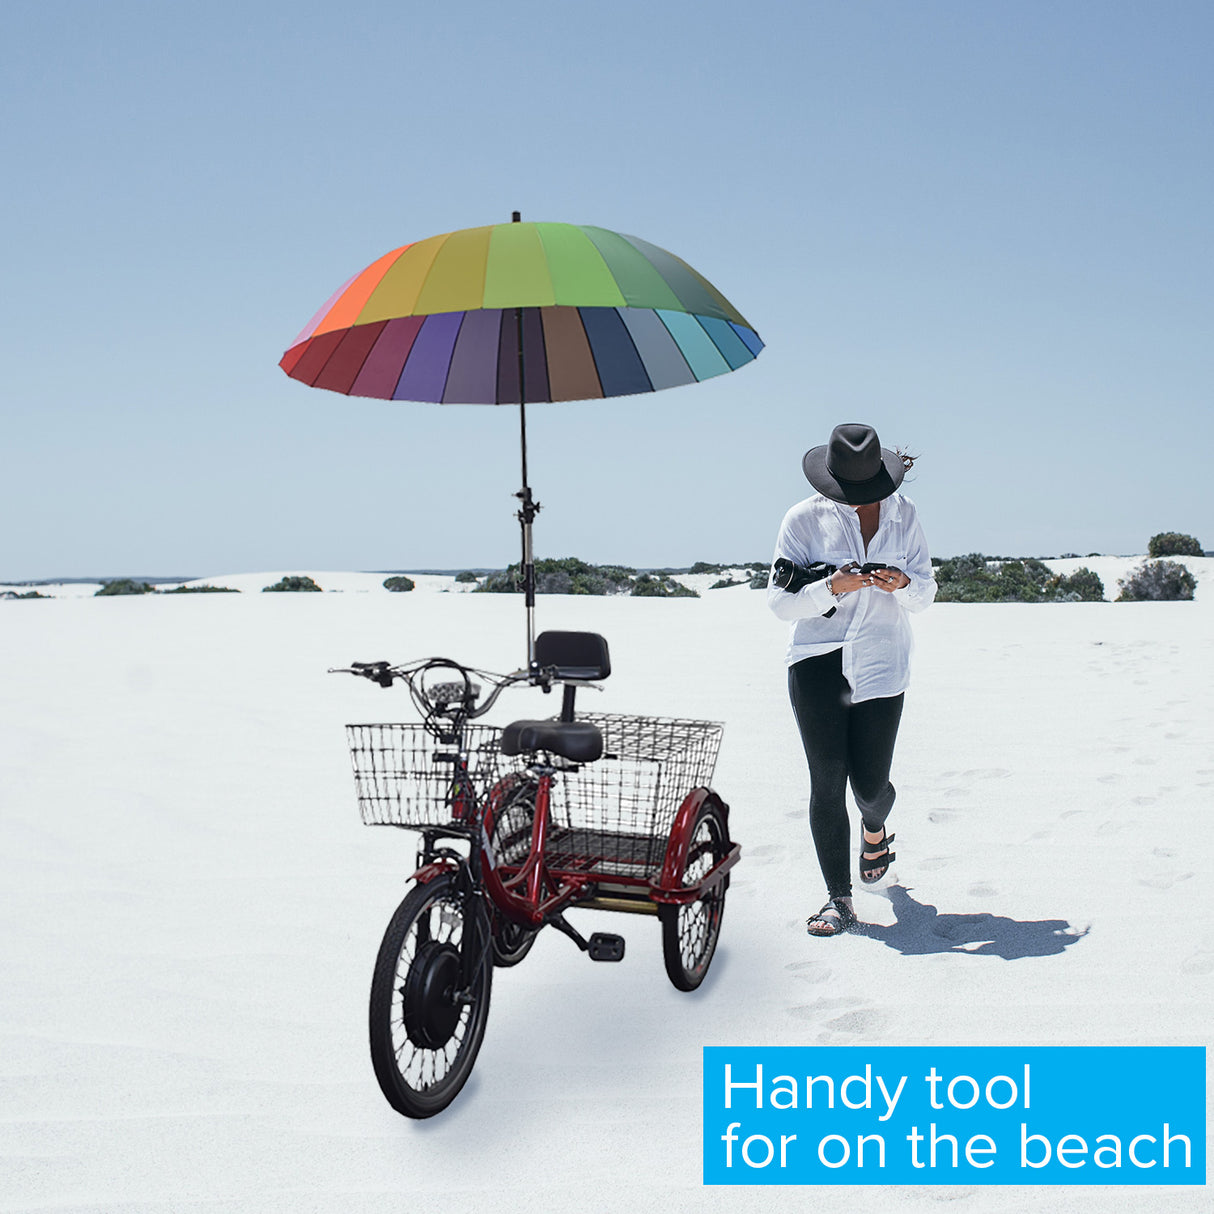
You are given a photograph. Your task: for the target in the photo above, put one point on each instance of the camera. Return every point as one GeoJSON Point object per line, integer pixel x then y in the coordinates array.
{"type": "Point", "coordinates": [790, 576]}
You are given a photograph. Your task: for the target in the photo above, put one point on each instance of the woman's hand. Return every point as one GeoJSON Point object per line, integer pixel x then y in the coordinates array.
{"type": "Point", "coordinates": [888, 580]}
{"type": "Point", "coordinates": [848, 578]}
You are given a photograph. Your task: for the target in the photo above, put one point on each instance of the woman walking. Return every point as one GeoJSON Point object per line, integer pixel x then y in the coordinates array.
{"type": "Point", "coordinates": [849, 649]}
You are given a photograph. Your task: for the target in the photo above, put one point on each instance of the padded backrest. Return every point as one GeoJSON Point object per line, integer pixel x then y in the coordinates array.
{"type": "Point", "coordinates": [576, 655]}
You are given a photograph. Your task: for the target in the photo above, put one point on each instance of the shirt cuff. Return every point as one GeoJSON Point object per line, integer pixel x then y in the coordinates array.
{"type": "Point", "coordinates": [818, 597]}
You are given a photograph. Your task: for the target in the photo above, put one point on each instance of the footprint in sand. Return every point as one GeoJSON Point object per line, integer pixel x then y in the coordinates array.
{"type": "Point", "coordinates": [940, 816]}
{"type": "Point", "coordinates": [1199, 963]}
{"type": "Point", "coordinates": [982, 890]}
{"type": "Point", "coordinates": [867, 1021]}
{"type": "Point", "coordinates": [1143, 800]}
{"type": "Point", "coordinates": [815, 1010]}
{"type": "Point", "coordinates": [934, 863]}
{"type": "Point", "coordinates": [1110, 828]}
{"type": "Point", "coordinates": [1072, 813]}
{"type": "Point", "coordinates": [956, 926]}
{"type": "Point", "coordinates": [986, 773]}
{"type": "Point", "coordinates": [1111, 778]}
{"type": "Point", "coordinates": [1165, 853]}
{"type": "Point", "coordinates": [765, 854]}
{"type": "Point", "coordinates": [1163, 880]}
{"type": "Point", "coordinates": [804, 965]}
{"type": "Point", "coordinates": [813, 977]}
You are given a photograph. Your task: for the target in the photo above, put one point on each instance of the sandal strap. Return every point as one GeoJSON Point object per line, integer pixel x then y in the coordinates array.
{"type": "Point", "coordinates": [882, 861]}
{"type": "Point", "coordinates": [834, 915]}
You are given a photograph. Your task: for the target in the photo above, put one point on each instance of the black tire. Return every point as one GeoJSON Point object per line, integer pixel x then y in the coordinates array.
{"type": "Point", "coordinates": [690, 932]}
{"type": "Point", "coordinates": [510, 838]}
{"type": "Point", "coordinates": [424, 1041]}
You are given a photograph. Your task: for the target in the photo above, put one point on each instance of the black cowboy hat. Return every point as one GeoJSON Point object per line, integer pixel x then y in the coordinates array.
{"type": "Point", "coordinates": [853, 467]}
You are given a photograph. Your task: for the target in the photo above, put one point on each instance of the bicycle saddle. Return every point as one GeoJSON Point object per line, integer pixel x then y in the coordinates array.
{"type": "Point", "coordinates": [577, 741]}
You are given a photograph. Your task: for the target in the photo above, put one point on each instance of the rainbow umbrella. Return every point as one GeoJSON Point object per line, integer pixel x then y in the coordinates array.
{"type": "Point", "coordinates": [602, 315]}
{"type": "Point", "coordinates": [516, 313]}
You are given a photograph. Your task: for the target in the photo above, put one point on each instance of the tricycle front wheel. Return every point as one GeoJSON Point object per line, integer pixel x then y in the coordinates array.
{"type": "Point", "coordinates": [690, 931]}
{"type": "Point", "coordinates": [427, 1020]}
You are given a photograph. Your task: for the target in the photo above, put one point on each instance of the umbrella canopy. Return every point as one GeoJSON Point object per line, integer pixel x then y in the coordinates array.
{"type": "Point", "coordinates": [598, 314]}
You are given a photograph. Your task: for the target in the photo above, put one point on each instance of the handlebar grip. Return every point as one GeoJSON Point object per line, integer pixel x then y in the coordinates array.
{"type": "Point", "coordinates": [377, 672]}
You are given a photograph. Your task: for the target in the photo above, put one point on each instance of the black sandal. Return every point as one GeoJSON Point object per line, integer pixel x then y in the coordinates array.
{"type": "Point", "coordinates": [835, 918]}
{"type": "Point", "coordinates": [873, 868]}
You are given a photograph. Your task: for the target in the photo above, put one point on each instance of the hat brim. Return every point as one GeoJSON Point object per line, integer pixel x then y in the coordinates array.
{"type": "Point", "coordinates": [853, 493]}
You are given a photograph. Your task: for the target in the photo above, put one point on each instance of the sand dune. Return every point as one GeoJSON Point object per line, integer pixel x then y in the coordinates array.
{"type": "Point", "coordinates": [191, 907]}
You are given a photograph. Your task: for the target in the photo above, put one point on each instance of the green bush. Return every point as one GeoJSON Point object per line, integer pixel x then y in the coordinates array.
{"type": "Point", "coordinates": [1173, 543]}
{"type": "Point", "coordinates": [204, 589]}
{"type": "Point", "coordinates": [725, 583]}
{"type": "Point", "coordinates": [1157, 581]}
{"type": "Point", "coordinates": [1082, 586]}
{"type": "Point", "coordinates": [974, 578]}
{"type": "Point", "coordinates": [466, 575]}
{"type": "Point", "coordinates": [29, 594]}
{"type": "Point", "coordinates": [567, 575]}
{"type": "Point", "coordinates": [661, 586]}
{"type": "Point", "coordinates": [292, 582]}
{"type": "Point", "coordinates": [400, 583]}
{"type": "Point", "coordinates": [966, 579]}
{"type": "Point", "coordinates": [125, 585]}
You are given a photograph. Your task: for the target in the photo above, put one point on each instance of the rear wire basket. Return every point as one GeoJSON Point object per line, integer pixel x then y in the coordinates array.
{"type": "Point", "coordinates": [614, 816]}
{"type": "Point", "coordinates": [403, 779]}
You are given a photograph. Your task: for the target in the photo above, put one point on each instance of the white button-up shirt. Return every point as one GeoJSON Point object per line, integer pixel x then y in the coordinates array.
{"type": "Point", "coordinates": [870, 625]}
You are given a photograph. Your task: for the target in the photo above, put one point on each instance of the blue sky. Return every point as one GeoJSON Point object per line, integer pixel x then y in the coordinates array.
{"type": "Point", "coordinates": [982, 227]}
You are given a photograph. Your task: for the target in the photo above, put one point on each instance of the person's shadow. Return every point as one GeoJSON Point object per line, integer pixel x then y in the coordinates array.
{"type": "Point", "coordinates": [920, 928]}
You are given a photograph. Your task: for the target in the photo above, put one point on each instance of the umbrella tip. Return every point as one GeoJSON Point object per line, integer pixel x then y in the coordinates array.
{"type": "Point", "coordinates": [516, 216]}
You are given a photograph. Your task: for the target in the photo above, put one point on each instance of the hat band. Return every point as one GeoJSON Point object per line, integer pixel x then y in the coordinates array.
{"type": "Point", "coordinates": [846, 480]}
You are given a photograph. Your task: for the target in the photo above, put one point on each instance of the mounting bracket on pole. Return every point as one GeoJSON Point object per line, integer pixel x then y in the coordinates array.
{"type": "Point", "coordinates": [527, 512]}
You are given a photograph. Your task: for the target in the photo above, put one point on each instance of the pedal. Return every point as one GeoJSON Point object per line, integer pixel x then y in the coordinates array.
{"type": "Point", "coordinates": [606, 947]}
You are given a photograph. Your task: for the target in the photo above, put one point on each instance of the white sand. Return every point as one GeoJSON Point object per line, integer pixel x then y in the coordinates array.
{"type": "Point", "coordinates": [191, 908]}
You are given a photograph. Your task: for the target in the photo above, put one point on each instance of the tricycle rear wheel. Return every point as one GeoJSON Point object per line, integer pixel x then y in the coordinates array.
{"type": "Point", "coordinates": [510, 838]}
{"type": "Point", "coordinates": [690, 931]}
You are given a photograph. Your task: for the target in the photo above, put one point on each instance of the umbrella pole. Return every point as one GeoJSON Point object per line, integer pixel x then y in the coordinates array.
{"type": "Point", "coordinates": [529, 508]}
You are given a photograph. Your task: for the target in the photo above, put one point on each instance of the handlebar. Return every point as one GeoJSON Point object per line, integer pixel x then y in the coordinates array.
{"type": "Point", "coordinates": [450, 698]}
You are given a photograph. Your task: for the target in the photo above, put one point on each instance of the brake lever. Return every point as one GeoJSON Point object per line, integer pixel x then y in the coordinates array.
{"type": "Point", "coordinates": [377, 672]}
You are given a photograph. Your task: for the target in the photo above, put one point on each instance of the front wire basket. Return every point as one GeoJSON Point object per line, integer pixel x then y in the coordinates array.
{"type": "Point", "coordinates": [403, 778]}
{"type": "Point", "coordinates": [614, 816]}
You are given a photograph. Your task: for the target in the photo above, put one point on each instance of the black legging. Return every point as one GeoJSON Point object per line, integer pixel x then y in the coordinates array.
{"type": "Point", "coordinates": [842, 741]}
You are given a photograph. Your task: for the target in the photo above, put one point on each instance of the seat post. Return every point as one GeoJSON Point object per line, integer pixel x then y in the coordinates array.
{"type": "Point", "coordinates": [567, 702]}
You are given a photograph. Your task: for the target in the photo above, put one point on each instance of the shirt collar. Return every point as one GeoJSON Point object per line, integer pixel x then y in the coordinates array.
{"type": "Point", "coordinates": [891, 509]}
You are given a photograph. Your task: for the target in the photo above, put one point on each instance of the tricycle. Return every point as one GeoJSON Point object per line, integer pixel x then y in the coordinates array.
{"type": "Point", "coordinates": [518, 825]}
